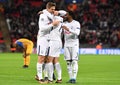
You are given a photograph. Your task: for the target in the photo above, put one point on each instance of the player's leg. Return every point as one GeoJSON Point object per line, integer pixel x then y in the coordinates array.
{"type": "Point", "coordinates": [46, 73]}
{"type": "Point", "coordinates": [58, 70]}
{"type": "Point", "coordinates": [57, 48]}
{"type": "Point", "coordinates": [39, 67]}
{"type": "Point", "coordinates": [75, 69]}
{"type": "Point", "coordinates": [27, 53]}
{"type": "Point", "coordinates": [74, 52]}
{"type": "Point", "coordinates": [67, 56]}
{"type": "Point", "coordinates": [42, 46]}
{"type": "Point", "coordinates": [54, 77]}
{"type": "Point", "coordinates": [49, 66]}
{"type": "Point", "coordinates": [69, 68]}
{"type": "Point", "coordinates": [45, 70]}
{"type": "Point", "coordinates": [26, 61]}
{"type": "Point", "coordinates": [54, 50]}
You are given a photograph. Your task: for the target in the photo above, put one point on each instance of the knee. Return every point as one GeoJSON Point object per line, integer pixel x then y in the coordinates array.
{"type": "Point", "coordinates": [49, 59]}
{"type": "Point", "coordinates": [56, 60]}
{"type": "Point", "coordinates": [41, 59]}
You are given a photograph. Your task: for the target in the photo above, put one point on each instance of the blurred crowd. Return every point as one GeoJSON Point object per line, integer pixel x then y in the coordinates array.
{"type": "Point", "coordinates": [100, 20]}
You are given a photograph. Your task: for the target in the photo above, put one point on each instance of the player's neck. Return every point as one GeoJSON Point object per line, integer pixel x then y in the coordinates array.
{"type": "Point", "coordinates": [70, 20]}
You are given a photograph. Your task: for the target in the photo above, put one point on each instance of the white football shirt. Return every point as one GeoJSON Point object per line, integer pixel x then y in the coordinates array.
{"type": "Point", "coordinates": [71, 36]}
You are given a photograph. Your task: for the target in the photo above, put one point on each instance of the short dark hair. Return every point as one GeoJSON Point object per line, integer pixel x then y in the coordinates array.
{"type": "Point", "coordinates": [50, 4]}
{"type": "Point", "coordinates": [72, 14]}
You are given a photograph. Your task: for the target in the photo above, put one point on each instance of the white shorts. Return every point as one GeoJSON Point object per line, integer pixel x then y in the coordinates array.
{"type": "Point", "coordinates": [55, 48]}
{"type": "Point", "coordinates": [42, 46]}
{"type": "Point", "coordinates": [71, 53]}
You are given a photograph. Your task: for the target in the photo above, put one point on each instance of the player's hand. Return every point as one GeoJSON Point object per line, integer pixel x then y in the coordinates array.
{"type": "Point", "coordinates": [40, 12]}
{"type": "Point", "coordinates": [55, 23]}
{"type": "Point", "coordinates": [24, 56]}
{"type": "Point", "coordinates": [56, 13]}
{"type": "Point", "coordinates": [64, 27]}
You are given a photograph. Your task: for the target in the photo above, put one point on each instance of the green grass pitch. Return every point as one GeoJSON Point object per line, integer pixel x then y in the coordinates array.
{"type": "Point", "coordinates": [93, 70]}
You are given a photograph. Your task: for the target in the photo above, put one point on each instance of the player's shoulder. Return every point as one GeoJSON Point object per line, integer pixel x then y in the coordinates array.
{"type": "Point", "coordinates": [42, 16]}
{"type": "Point", "coordinates": [75, 21]}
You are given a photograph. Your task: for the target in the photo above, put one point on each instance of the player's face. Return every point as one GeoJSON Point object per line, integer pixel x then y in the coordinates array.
{"type": "Point", "coordinates": [51, 10]}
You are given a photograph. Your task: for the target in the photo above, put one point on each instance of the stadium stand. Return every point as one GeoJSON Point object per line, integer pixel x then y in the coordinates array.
{"type": "Point", "coordinates": [99, 20]}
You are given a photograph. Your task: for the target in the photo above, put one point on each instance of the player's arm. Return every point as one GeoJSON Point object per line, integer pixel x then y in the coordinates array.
{"type": "Point", "coordinates": [56, 13]}
{"type": "Point", "coordinates": [62, 13]}
{"type": "Point", "coordinates": [46, 26]}
{"type": "Point", "coordinates": [24, 53]}
{"type": "Point", "coordinates": [40, 12]}
{"type": "Point", "coordinates": [75, 31]}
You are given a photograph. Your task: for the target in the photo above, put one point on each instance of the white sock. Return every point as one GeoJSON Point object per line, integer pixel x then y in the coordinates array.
{"type": "Point", "coordinates": [69, 68]}
{"type": "Point", "coordinates": [75, 68]}
{"type": "Point", "coordinates": [58, 69]}
{"type": "Point", "coordinates": [45, 70]}
{"type": "Point", "coordinates": [39, 70]}
{"type": "Point", "coordinates": [50, 71]}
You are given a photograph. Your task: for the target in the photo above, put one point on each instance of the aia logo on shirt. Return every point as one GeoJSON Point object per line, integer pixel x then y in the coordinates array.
{"type": "Point", "coordinates": [67, 32]}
